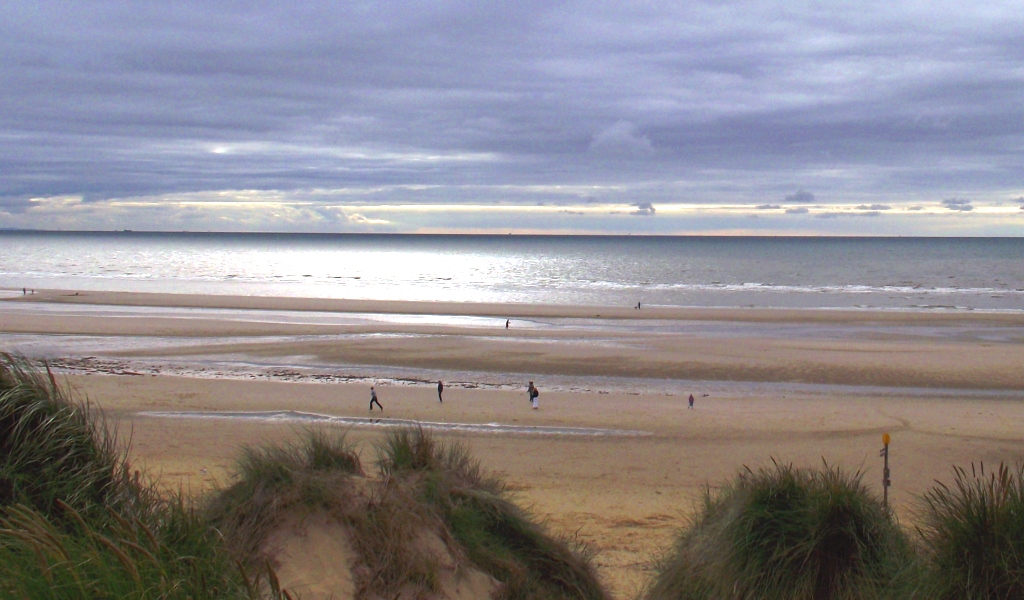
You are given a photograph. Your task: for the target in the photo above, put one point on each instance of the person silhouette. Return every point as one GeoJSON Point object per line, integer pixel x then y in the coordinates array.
{"type": "Point", "coordinates": [373, 400]}
{"type": "Point", "coordinates": [440, 388]}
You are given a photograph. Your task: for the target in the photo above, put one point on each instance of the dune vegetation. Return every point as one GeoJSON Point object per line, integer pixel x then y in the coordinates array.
{"type": "Point", "coordinates": [76, 522]}
{"type": "Point", "coordinates": [786, 533]}
{"type": "Point", "coordinates": [423, 519]}
{"type": "Point", "coordinates": [973, 534]}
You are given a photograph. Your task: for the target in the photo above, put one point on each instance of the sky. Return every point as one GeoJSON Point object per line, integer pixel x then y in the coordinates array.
{"type": "Point", "coordinates": [767, 118]}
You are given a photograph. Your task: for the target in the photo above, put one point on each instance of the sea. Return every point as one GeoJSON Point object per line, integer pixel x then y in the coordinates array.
{"type": "Point", "coordinates": [916, 274]}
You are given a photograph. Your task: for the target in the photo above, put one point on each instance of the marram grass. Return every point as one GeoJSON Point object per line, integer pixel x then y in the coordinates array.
{"type": "Point", "coordinates": [789, 534]}
{"type": "Point", "coordinates": [496, 534]}
{"type": "Point", "coordinates": [75, 522]}
{"type": "Point", "coordinates": [973, 534]}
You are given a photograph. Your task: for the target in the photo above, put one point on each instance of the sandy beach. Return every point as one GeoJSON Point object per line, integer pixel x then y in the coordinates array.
{"type": "Point", "coordinates": [799, 386]}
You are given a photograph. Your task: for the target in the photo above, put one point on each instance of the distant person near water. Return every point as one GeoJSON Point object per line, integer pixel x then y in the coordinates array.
{"type": "Point", "coordinates": [507, 321]}
{"type": "Point", "coordinates": [691, 401]}
{"type": "Point", "coordinates": [638, 306]}
{"type": "Point", "coordinates": [373, 400]}
{"type": "Point", "coordinates": [532, 392]}
{"type": "Point", "coordinates": [440, 388]}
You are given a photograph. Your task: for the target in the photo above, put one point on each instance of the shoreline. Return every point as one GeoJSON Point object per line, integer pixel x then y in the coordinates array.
{"type": "Point", "coordinates": [525, 310]}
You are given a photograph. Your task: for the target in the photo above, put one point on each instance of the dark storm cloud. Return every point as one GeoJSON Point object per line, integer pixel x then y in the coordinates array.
{"type": "Point", "coordinates": [106, 99]}
{"type": "Point", "coordinates": [836, 214]}
{"type": "Point", "coordinates": [14, 204]}
{"type": "Point", "coordinates": [961, 204]}
{"type": "Point", "coordinates": [801, 196]}
{"type": "Point", "coordinates": [644, 209]}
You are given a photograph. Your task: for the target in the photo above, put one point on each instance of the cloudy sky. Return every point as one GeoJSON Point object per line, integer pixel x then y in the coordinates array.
{"type": "Point", "coordinates": [866, 118]}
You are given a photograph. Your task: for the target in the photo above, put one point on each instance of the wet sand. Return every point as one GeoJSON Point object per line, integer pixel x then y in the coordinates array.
{"type": "Point", "coordinates": [943, 350]}
{"type": "Point", "coordinates": [801, 386]}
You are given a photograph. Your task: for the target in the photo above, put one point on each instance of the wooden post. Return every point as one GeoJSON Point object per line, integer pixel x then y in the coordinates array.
{"type": "Point", "coordinates": [886, 482]}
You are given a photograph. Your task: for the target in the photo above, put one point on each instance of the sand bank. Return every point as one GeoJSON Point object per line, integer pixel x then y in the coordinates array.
{"type": "Point", "coordinates": [970, 351]}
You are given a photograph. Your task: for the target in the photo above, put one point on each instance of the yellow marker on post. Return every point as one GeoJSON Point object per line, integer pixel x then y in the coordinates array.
{"type": "Point", "coordinates": [885, 439]}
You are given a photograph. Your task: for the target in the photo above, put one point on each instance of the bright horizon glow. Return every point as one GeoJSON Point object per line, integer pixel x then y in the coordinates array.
{"type": "Point", "coordinates": [249, 210]}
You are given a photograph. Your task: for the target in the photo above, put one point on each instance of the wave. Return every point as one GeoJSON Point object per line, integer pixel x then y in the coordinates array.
{"type": "Point", "coordinates": [797, 289]}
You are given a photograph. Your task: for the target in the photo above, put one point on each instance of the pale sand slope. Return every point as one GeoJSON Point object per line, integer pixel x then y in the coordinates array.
{"type": "Point", "coordinates": [625, 496]}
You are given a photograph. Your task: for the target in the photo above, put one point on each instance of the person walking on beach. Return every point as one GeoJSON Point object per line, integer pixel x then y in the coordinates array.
{"type": "Point", "coordinates": [373, 400]}
{"type": "Point", "coordinates": [507, 321]}
{"type": "Point", "coordinates": [440, 388]}
{"type": "Point", "coordinates": [532, 392]}
{"type": "Point", "coordinates": [691, 401]}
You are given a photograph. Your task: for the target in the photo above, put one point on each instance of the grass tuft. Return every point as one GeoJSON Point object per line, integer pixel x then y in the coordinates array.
{"type": "Point", "coordinates": [497, 536]}
{"type": "Point", "coordinates": [786, 533]}
{"type": "Point", "coordinates": [313, 474]}
{"type": "Point", "coordinates": [52, 449]}
{"type": "Point", "coordinates": [973, 534]}
{"type": "Point", "coordinates": [74, 523]}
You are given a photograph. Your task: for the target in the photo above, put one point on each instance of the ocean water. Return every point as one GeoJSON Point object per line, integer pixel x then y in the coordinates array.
{"type": "Point", "coordinates": [887, 273]}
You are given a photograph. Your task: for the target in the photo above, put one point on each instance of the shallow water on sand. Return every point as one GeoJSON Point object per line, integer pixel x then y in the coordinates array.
{"type": "Point", "coordinates": [291, 416]}
{"type": "Point", "coordinates": [184, 355]}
